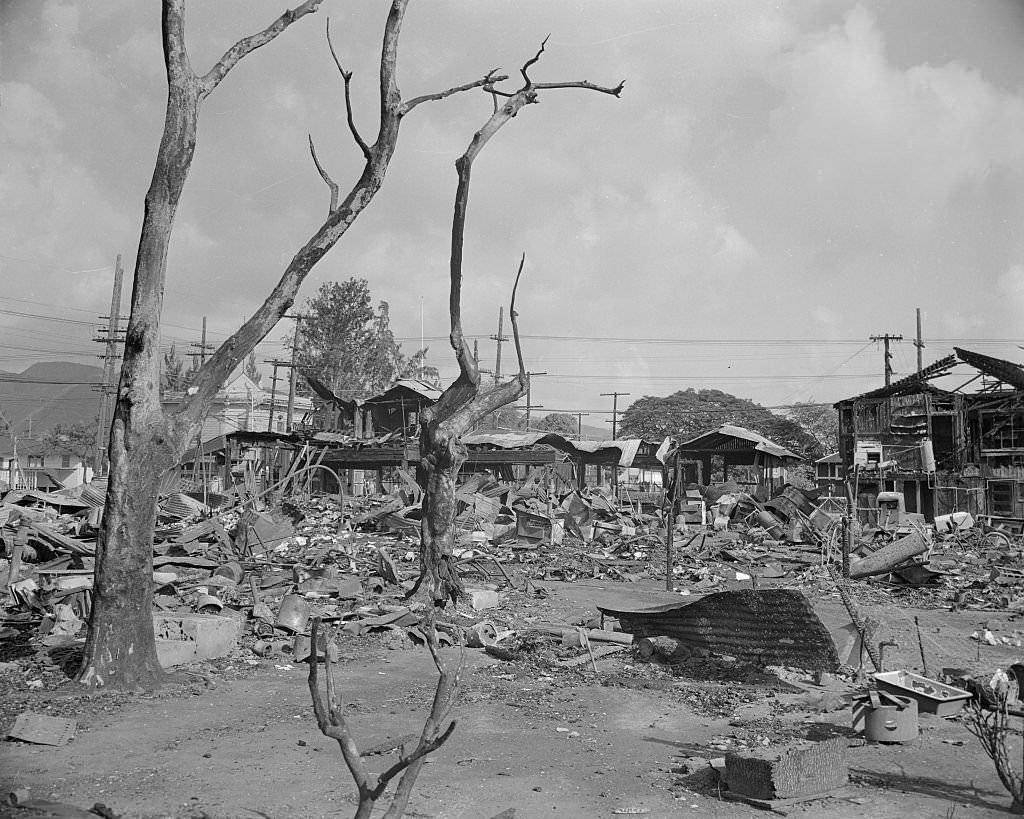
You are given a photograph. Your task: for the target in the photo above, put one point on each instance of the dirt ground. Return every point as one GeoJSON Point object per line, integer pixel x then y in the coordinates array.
{"type": "Point", "coordinates": [236, 737]}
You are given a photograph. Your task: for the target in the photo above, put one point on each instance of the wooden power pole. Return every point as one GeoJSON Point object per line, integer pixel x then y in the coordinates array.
{"type": "Point", "coordinates": [919, 342]}
{"type": "Point", "coordinates": [291, 380]}
{"type": "Point", "coordinates": [530, 405]}
{"type": "Point", "coordinates": [499, 338]}
{"type": "Point", "coordinates": [885, 339]}
{"type": "Point", "coordinates": [615, 411]}
{"type": "Point", "coordinates": [111, 338]}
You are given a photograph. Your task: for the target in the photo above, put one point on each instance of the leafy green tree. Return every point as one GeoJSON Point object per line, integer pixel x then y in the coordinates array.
{"type": "Point", "coordinates": [689, 413]}
{"type": "Point", "coordinates": [416, 367]}
{"type": "Point", "coordinates": [349, 346]}
{"type": "Point", "coordinates": [173, 374]}
{"type": "Point", "coordinates": [252, 371]}
{"type": "Point", "coordinates": [819, 420]}
{"type": "Point", "coordinates": [76, 439]}
{"type": "Point", "coordinates": [557, 422]}
{"type": "Point", "coordinates": [505, 419]}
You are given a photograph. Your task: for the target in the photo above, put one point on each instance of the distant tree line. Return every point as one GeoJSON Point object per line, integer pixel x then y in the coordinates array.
{"type": "Point", "coordinates": [810, 430]}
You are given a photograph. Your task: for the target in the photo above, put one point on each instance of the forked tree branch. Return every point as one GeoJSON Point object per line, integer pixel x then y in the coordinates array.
{"type": "Point", "coordinates": [332, 186]}
{"type": "Point", "coordinates": [330, 715]}
{"type": "Point", "coordinates": [378, 156]}
{"type": "Point", "coordinates": [330, 720]}
{"type": "Point", "coordinates": [501, 115]}
{"type": "Point", "coordinates": [533, 61]}
{"type": "Point", "coordinates": [346, 77]}
{"type": "Point", "coordinates": [212, 78]}
{"type": "Point", "coordinates": [463, 403]}
{"type": "Point", "coordinates": [432, 737]}
{"type": "Point", "coordinates": [488, 79]}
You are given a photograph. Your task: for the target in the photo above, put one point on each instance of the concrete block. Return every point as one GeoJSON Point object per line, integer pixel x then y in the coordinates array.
{"type": "Point", "coordinates": [186, 638]}
{"type": "Point", "coordinates": [481, 599]}
{"type": "Point", "coordinates": [800, 769]}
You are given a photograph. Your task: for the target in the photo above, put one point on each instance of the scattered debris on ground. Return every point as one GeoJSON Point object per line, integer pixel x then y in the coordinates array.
{"type": "Point", "coordinates": [237, 583]}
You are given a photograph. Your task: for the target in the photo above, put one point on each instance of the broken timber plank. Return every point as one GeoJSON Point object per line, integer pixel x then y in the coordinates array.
{"type": "Point", "coordinates": [889, 557]}
{"type": "Point", "coordinates": [598, 653]}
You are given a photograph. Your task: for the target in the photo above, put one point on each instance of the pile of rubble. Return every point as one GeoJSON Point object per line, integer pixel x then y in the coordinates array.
{"type": "Point", "coordinates": [256, 574]}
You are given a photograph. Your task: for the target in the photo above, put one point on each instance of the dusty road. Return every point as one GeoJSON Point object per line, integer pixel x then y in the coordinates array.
{"type": "Point", "coordinates": [238, 739]}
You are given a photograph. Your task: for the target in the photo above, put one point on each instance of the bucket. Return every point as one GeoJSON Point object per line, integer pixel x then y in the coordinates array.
{"type": "Point", "coordinates": [208, 604]}
{"type": "Point", "coordinates": [770, 523]}
{"type": "Point", "coordinates": [231, 570]}
{"type": "Point", "coordinates": [294, 613]}
{"type": "Point", "coordinates": [888, 722]}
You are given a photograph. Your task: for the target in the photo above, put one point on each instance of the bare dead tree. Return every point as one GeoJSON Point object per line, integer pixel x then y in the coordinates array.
{"type": "Point", "coordinates": [145, 441]}
{"type": "Point", "coordinates": [991, 727]}
{"type": "Point", "coordinates": [465, 401]}
{"type": "Point", "coordinates": [330, 718]}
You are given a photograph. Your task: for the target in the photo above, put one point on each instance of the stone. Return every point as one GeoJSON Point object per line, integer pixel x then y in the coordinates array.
{"type": "Point", "coordinates": [481, 599]}
{"type": "Point", "coordinates": [793, 771]}
{"type": "Point", "coordinates": [187, 638]}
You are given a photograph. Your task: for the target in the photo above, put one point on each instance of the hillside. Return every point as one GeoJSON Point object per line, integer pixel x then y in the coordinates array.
{"type": "Point", "coordinates": [50, 393]}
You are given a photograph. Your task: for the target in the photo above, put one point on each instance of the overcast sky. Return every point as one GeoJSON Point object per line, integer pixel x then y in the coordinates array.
{"type": "Point", "coordinates": [779, 182]}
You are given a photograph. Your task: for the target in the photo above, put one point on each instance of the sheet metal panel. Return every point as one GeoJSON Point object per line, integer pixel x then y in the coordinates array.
{"type": "Point", "coordinates": [763, 627]}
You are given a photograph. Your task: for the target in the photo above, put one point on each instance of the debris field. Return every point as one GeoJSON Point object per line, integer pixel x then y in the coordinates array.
{"type": "Point", "coordinates": [772, 655]}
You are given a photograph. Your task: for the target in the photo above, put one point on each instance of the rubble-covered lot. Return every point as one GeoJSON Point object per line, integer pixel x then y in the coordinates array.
{"type": "Point", "coordinates": [558, 713]}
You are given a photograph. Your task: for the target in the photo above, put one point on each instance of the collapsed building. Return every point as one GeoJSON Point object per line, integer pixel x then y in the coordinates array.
{"type": "Point", "coordinates": [939, 451]}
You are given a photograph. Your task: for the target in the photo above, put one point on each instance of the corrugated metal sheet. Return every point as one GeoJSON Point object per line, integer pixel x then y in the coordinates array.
{"type": "Point", "coordinates": [1006, 371]}
{"type": "Point", "coordinates": [179, 506]}
{"type": "Point", "coordinates": [764, 627]}
{"type": "Point", "coordinates": [731, 438]}
{"type": "Point", "coordinates": [912, 383]}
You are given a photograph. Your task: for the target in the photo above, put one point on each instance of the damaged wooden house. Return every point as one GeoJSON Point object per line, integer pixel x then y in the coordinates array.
{"type": "Point", "coordinates": [935, 450]}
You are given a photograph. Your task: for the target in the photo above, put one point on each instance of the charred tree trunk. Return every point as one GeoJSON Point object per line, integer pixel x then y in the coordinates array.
{"type": "Point", "coordinates": [145, 441]}
{"type": "Point", "coordinates": [463, 404]}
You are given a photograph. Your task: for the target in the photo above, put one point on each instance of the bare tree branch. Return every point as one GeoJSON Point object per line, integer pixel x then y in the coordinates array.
{"type": "Point", "coordinates": [447, 690]}
{"type": "Point", "coordinates": [532, 61]}
{"type": "Point", "coordinates": [219, 365]}
{"type": "Point", "coordinates": [212, 78]}
{"type": "Point", "coordinates": [331, 184]}
{"type": "Point", "coordinates": [463, 403]}
{"type": "Point", "coordinates": [172, 30]}
{"type": "Point", "coordinates": [488, 79]}
{"type": "Point", "coordinates": [615, 91]}
{"type": "Point", "coordinates": [390, 96]}
{"type": "Point", "coordinates": [514, 316]}
{"type": "Point", "coordinates": [346, 77]}
{"type": "Point", "coordinates": [330, 718]}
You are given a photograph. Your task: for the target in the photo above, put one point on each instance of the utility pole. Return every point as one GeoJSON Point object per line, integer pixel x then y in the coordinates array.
{"type": "Point", "coordinates": [199, 464]}
{"type": "Point", "coordinates": [529, 406]}
{"type": "Point", "coordinates": [579, 423]}
{"type": "Point", "coordinates": [499, 338]}
{"type": "Point", "coordinates": [202, 347]}
{"type": "Point", "coordinates": [275, 362]}
{"type": "Point", "coordinates": [111, 339]}
{"type": "Point", "coordinates": [614, 433]}
{"type": "Point", "coordinates": [291, 380]}
{"type": "Point", "coordinates": [919, 343]}
{"type": "Point", "coordinates": [885, 339]}
{"type": "Point", "coordinates": [615, 411]}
